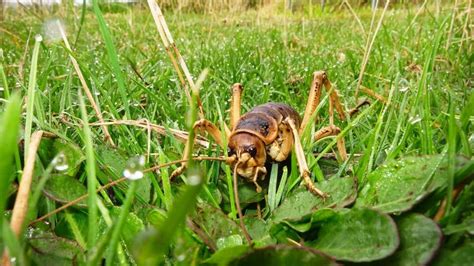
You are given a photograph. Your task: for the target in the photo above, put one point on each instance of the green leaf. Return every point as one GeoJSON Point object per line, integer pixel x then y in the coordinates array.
{"type": "Point", "coordinates": [463, 255]}
{"type": "Point", "coordinates": [302, 203]}
{"type": "Point", "coordinates": [132, 226]}
{"type": "Point", "coordinates": [226, 255]}
{"type": "Point", "coordinates": [229, 241]}
{"type": "Point", "coordinates": [359, 235]}
{"type": "Point", "coordinates": [398, 185]}
{"type": "Point", "coordinates": [215, 223]}
{"type": "Point", "coordinates": [49, 249]}
{"type": "Point", "coordinates": [63, 189]}
{"type": "Point", "coordinates": [420, 238]}
{"type": "Point", "coordinates": [283, 255]}
{"type": "Point", "coordinates": [259, 231]}
{"type": "Point", "coordinates": [114, 161]}
{"type": "Point", "coordinates": [73, 154]}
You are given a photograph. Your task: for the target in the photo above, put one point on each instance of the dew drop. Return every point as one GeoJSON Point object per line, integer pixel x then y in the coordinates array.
{"type": "Point", "coordinates": [134, 168]}
{"type": "Point", "coordinates": [60, 162]}
{"type": "Point", "coordinates": [181, 257]}
{"type": "Point", "coordinates": [194, 179]}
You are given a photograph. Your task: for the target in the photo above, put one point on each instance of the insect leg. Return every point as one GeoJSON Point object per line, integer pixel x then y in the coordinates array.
{"type": "Point", "coordinates": [332, 130]}
{"type": "Point", "coordinates": [313, 98]}
{"type": "Point", "coordinates": [235, 103]}
{"type": "Point", "coordinates": [201, 125]}
{"type": "Point", "coordinates": [334, 102]}
{"type": "Point", "coordinates": [303, 166]}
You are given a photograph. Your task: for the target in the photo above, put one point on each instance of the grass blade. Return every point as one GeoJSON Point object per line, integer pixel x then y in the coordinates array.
{"type": "Point", "coordinates": [113, 57]}
{"type": "Point", "coordinates": [9, 128]}
{"type": "Point", "coordinates": [272, 201]}
{"type": "Point", "coordinates": [91, 178]}
{"type": "Point", "coordinates": [31, 93]}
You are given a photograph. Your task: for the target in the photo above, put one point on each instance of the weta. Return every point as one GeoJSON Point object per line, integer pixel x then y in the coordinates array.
{"type": "Point", "coordinates": [270, 131]}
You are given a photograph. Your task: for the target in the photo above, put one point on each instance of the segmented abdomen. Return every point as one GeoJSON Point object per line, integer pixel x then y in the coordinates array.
{"type": "Point", "coordinates": [264, 120]}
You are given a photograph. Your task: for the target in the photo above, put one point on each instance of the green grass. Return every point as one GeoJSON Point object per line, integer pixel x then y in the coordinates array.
{"type": "Point", "coordinates": [420, 62]}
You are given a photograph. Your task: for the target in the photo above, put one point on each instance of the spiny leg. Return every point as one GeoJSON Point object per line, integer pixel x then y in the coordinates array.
{"type": "Point", "coordinates": [335, 102]}
{"type": "Point", "coordinates": [313, 97]}
{"type": "Point", "coordinates": [320, 79]}
{"type": "Point", "coordinates": [235, 103]}
{"type": "Point", "coordinates": [201, 125]}
{"type": "Point", "coordinates": [303, 166]}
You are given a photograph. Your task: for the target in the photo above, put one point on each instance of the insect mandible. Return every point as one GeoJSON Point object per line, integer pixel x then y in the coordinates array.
{"type": "Point", "coordinates": [270, 131]}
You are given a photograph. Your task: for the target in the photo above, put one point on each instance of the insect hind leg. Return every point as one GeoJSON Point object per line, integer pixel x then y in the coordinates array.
{"type": "Point", "coordinates": [303, 166]}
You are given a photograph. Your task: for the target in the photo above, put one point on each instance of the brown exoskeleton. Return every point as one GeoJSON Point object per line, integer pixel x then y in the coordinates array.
{"type": "Point", "coordinates": [269, 132]}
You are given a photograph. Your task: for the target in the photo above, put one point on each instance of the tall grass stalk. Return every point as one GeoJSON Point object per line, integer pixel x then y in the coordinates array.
{"type": "Point", "coordinates": [368, 49]}
{"type": "Point", "coordinates": [452, 128]}
{"type": "Point", "coordinates": [113, 56]}
{"type": "Point", "coordinates": [172, 50]}
{"type": "Point", "coordinates": [117, 228]}
{"type": "Point", "coordinates": [91, 175]}
{"type": "Point", "coordinates": [151, 250]}
{"type": "Point", "coordinates": [31, 93]}
{"type": "Point", "coordinates": [84, 84]}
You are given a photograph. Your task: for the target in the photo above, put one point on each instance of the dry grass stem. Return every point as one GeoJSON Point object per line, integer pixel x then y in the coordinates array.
{"type": "Point", "coordinates": [178, 134]}
{"type": "Point", "coordinates": [369, 49]}
{"type": "Point", "coordinates": [373, 94]}
{"type": "Point", "coordinates": [173, 52]}
{"type": "Point", "coordinates": [84, 85]}
{"type": "Point", "coordinates": [20, 209]}
{"type": "Point", "coordinates": [21, 202]}
{"type": "Point", "coordinates": [355, 16]}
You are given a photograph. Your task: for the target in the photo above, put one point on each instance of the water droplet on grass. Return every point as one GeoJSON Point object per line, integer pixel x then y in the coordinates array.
{"type": "Point", "coordinates": [194, 179]}
{"type": "Point", "coordinates": [60, 162]}
{"type": "Point", "coordinates": [134, 168]}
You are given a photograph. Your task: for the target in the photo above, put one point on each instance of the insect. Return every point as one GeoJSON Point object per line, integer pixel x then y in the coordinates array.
{"type": "Point", "coordinates": [270, 131]}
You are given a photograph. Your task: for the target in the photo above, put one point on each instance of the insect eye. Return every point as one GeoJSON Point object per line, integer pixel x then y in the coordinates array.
{"type": "Point", "coordinates": [230, 152]}
{"type": "Point", "coordinates": [252, 151]}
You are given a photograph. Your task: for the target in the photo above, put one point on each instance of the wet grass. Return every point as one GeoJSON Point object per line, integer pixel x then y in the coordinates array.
{"type": "Point", "coordinates": [420, 63]}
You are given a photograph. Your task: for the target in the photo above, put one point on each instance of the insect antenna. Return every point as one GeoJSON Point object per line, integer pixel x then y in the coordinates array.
{"type": "Point", "coordinates": [239, 210]}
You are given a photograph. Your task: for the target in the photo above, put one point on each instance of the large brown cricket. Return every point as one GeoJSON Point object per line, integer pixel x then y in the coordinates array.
{"type": "Point", "coordinates": [269, 132]}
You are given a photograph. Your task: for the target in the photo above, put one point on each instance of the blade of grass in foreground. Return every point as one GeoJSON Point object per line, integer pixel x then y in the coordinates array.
{"type": "Point", "coordinates": [9, 128]}
{"type": "Point", "coordinates": [120, 222]}
{"type": "Point", "coordinates": [31, 93]}
{"type": "Point", "coordinates": [151, 248]}
{"type": "Point", "coordinates": [91, 178]}
{"type": "Point", "coordinates": [15, 252]}
{"type": "Point", "coordinates": [451, 154]}
{"type": "Point", "coordinates": [113, 57]}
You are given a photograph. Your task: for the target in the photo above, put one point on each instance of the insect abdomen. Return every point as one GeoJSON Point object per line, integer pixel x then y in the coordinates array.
{"type": "Point", "coordinates": [265, 119]}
